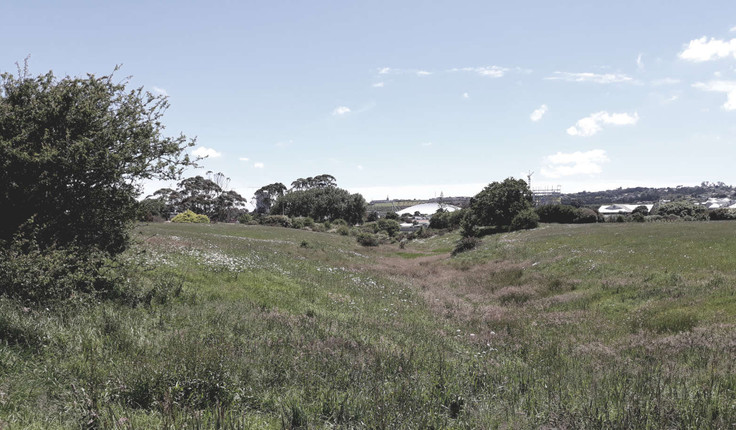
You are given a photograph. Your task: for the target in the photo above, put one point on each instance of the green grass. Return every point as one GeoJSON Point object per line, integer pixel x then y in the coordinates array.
{"type": "Point", "coordinates": [565, 326]}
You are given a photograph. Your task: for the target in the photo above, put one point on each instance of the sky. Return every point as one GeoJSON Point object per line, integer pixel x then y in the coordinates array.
{"type": "Point", "coordinates": [413, 99]}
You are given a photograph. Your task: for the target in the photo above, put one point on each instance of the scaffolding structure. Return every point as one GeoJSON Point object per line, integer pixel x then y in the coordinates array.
{"type": "Point", "coordinates": [547, 195]}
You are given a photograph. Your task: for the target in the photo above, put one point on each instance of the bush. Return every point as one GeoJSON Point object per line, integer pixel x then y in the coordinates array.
{"type": "Point", "coordinates": [189, 216]}
{"type": "Point", "coordinates": [343, 230]}
{"type": "Point", "coordinates": [682, 209]}
{"type": "Point", "coordinates": [563, 214]}
{"type": "Point", "coordinates": [34, 275]}
{"type": "Point", "coordinates": [525, 220]}
{"type": "Point", "coordinates": [367, 239]}
{"type": "Point", "coordinates": [465, 244]}
{"type": "Point", "coordinates": [245, 218]}
{"type": "Point", "coordinates": [276, 220]}
{"type": "Point", "coordinates": [338, 222]}
{"type": "Point", "coordinates": [372, 216]}
{"type": "Point", "coordinates": [392, 215]}
{"type": "Point", "coordinates": [585, 216]}
{"type": "Point", "coordinates": [722, 214]}
{"type": "Point", "coordinates": [390, 226]}
{"type": "Point", "coordinates": [449, 220]}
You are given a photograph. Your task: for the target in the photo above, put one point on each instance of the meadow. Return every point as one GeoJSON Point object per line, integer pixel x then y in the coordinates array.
{"type": "Point", "coordinates": [564, 326]}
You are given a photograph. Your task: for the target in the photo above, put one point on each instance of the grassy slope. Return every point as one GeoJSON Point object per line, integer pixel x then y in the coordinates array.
{"type": "Point", "coordinates": [570, 326]}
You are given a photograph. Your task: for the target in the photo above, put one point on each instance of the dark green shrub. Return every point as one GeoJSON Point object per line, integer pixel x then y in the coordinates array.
{"type": "Point", "coordinates": [446, 220]}
{"type": "Point", "coordinates": [585, 216]}
{"type": "Point", "coordinates": [722, 214]}
{"type": "Point", "coordinates": [276, 220]}
{"type": "Point", "coordinates": [682, 208]}
{"type": "Point", "coordinates": [525, 220]}
{"type": "Point", "coordinates": [465, 244]}
{"type": "Point", "coordinates": [245, 218]}
{"type": "Point", "coordinates": [338, 222]}
{"type": "Point", "coordinates": [563, 214]}
{"type": "Point", "coordinates": [343, 230]}
{"type": "Point", "coordinates": [367, 239]}
{"type": "Point", "coordinates": [390, 226]}
{"type": "Point", "coordinates": [392, 215]}
{"type": "Point", "coordinates": [372, 216]}
{"type": "Point", "coordinates": [35, 276]}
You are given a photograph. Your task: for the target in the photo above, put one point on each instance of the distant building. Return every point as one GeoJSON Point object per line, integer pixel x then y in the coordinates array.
{"type": "Point", "coordinates": [427, 209]}
{"type": "Point", "coordinates": [620, 209]}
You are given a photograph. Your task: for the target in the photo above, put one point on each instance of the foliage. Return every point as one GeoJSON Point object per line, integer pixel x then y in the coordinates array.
{"type": "Point", "coordinates": [681, 208]}
{"type": "Point", "coordinates": [189, 216]}
{"type": "Point", "coordinates": [500, 202]}
{"type": "Point", "coordinates": [245, 218]}
{"type": "Point", "coordinates": [585, 216]}
{"type": "Point", "coordinates": [367, 239]}
{"type": "Point", "coordinates": [201, 195]}
{"type": "Point", "coordinates": [465, 244]}
{"type": "Point", "coordinates": [267, 195]}
{"type": "Point", "coordinates": [343, 230]}
{"type": "Point", "coordinates": [319, 181]}
{"type": "Point", "coordinates": [641, 209]}
{"type": "Point", "coordinates": [446, 220]}
{"type": "Point", "coordinates": [34, 275]}
{"type": "Point", "coordinates": [392, 215]}
{"type": "Point", "coordinates": [722, 214]}
{"type": "Point", "coordinates": [372, 216]}
{"type": "Point", "coordinates": [525, 220]}
{"type": "Point", "coordinates": [72, 151]}
{"type": "Point", "coordinates": [389, 226]}
{"type": "Point", "coordinates": [276, 220]}
{"type": "Point", "coordinates": [324, 203]}
{"type": "Point", "coordinates": [556, 213]}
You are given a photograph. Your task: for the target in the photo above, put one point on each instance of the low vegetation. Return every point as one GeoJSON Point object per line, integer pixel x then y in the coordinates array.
{"type": "Point", "coordinates": [567, 326]}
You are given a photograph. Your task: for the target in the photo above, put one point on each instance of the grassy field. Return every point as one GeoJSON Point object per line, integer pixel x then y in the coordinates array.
{"type": "Point", "coordinates": [565, 326]}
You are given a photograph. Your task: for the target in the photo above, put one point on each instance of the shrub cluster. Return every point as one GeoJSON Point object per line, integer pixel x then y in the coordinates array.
{"type": "Point", "coordinates": [189, 216]}
{"type": "Point", "coordinates": [465, 244]}
{"type": "Point", "coordinates": [367, 239]}
{"type": "Point", "coordinates": [565, 214]}
{"type": "Point", "coordinates": [446, 220]}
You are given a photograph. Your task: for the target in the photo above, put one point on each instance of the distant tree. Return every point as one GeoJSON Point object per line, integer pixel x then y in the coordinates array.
{"type": "Point", "coordinates": [499, 203]}
{"type": "Point", "coordinates": [267, 195]}
{"type": "Point", "coordinates": [322, 204]}
{"type": "Point", "coordinates": [392, 215]}
{"type": "Point", "coordinates": [200, 195]}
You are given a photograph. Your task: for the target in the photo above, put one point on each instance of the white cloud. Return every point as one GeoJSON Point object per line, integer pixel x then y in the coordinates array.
{"type": "Point", "coordinates": [639, 62]}
{"type": "Point", "coordinates": [732, 29]}
{"type": "Point", "coordinates": [359, 167]}
{"type": "Point", "coordinates": [423, 73]}
{"type": "Point", "coordinates": [341, 110]}
{"type": "Point", "coordinates": [488, 71]}
{"type": "Point", "coordinates": [699, 50]}
{"type": "Point", "coordinates": [671, 99]}
{"type": "Point", "coordinates": [160, 91]}
{"type": "Point", "coordinates": [598, 78]}
{"type": "Point", "coordinates": [384, 70]}
{"type": "Point", "coordinates": [592, 124]}
{"type": "Point", "coordinates": [244, 159]}
{"type": "Point", "coordinates": [378, 85]}
{"type": "Point", "coordinates": [665, 81]}
{"type": "Point", "coordinates": [728, 87]}
{"type": "Point", "coordinates": [466, 95]}
{"type": "Point", "coordinates": [206, 152]}
{"type": "Point", "coordinates": [574, 163]}
{"type": "Point", "coordinates": [258, 165]}
{"type": "Point", "coordinates": [538, 113]}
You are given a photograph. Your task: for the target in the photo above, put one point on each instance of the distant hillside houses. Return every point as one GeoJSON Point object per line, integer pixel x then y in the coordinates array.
{"type": "Point", "coordinates": [719, 203]}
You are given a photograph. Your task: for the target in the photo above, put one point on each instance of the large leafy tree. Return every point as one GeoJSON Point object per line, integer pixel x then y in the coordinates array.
{"type": "Point", "coordinates": [204, 196]}
{"type": "Point", "coordinates": [72, 154]}
{"type": "Point", "coordinates": [499, 202]}
{"type": "Point", "coordinates": [323, 203]}
{"type": "Point", "coordinates": [267, 195]}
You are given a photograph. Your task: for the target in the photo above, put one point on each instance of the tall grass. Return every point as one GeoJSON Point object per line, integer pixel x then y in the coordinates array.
{"type": "Point", "coordinates": [591, 326]}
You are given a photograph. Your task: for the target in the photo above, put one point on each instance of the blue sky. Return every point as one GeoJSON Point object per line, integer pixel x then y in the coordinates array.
{"type": "Point", "coordinates": [412, 99]}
